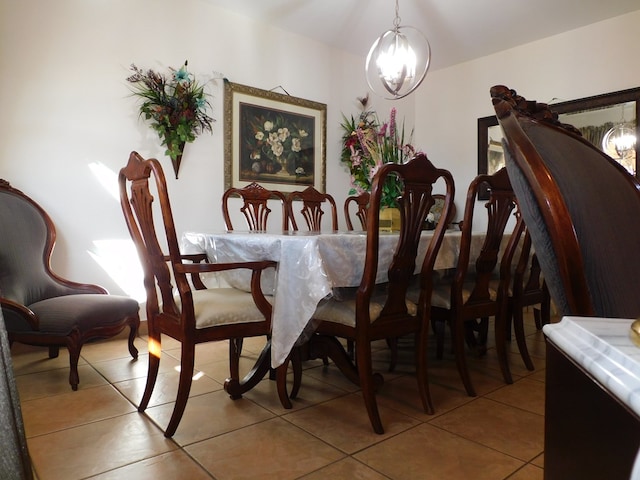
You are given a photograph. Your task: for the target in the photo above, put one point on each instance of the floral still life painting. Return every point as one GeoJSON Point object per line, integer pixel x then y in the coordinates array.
{"type": "Point", "coordinates": [367, 144]}
{"type": "Point", "coordinates": [175, 105]}
{"type": "Point", "coordinates": [276, 144]}
{"type": "Point", "coordinates": [275, 139]}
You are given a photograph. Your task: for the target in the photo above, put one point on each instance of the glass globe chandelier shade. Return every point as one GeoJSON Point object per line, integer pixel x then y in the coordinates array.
{"type": "Point", "coordinates": [398, 61]}
{"type": "Point", "coordinates": [621, 139]}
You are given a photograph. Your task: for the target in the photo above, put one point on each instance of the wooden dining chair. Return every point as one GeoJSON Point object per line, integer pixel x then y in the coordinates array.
{"type": "Point", "coordinates": [40, 307]}
{"type": "Point", "coordinates": [312, 202]}
{"type": "Point", "coordinates": [189, 315]}
{"type": "Point", "coordinates": [361, 201]}
{"type": "Point", "coordinates": [478, 290]}
{"type": "Point", "coordinates": [528, 289]}
{"type": "Point", "coordinates": [587, 247]}
{"type": "Point", "coordinates": [255, 206]}
{"type": "Point", "coordinates": [379, 312]}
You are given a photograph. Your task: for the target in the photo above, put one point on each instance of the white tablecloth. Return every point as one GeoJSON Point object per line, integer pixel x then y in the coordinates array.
{"type": "Point", "coordinates": [310, 265]}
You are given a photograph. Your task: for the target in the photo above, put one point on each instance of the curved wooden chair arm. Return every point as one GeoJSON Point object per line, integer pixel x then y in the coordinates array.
{"type": "Point", "coordinates": [21, 310]}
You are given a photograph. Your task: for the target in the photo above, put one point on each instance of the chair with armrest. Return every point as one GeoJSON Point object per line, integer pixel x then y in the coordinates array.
{"type": "Point", "coordinates": [479, 290]}
{"type": "Point", "coordinates": [381, 312]}
{"type": "Point", "coordinates": [587, 247]}
{"type": "Point", "coordinates": [362, 205]}
{"type": "Point", "coordinates": [40, 307]}
{"type": "Point", "coordinates": [189, 315]}
{"type": "Point", "coordinates": [312, 202]}
{"type": "Point", "coordinates": [255, 206]}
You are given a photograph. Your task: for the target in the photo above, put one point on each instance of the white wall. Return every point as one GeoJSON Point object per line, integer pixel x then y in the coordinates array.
{"type": "Point", "coordinates": [65, 105]}
{"type": "Point", "coordinates": [596, 59]}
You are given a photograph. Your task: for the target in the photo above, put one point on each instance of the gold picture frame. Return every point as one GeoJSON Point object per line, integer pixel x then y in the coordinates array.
{"type": "Point", "coordinates": [276, 140]}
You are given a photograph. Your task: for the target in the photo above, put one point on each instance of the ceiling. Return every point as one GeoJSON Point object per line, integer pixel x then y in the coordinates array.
{"type": "Point", "coordinates": [458, 30]}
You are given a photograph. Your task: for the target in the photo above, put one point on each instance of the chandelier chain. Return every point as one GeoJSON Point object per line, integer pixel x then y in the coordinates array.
{"type": "Point", "coordinates": [396, 21]}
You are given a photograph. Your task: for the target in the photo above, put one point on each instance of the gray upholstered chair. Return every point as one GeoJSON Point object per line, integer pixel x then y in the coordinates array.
{"type": "Point", "coordinates": [580, 206]}
{"type": "Point", "coordinates": [41, 308]}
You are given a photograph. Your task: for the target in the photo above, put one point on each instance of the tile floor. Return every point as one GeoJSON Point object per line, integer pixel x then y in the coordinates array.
{"type": "Point", "coordinates": [96, 432]}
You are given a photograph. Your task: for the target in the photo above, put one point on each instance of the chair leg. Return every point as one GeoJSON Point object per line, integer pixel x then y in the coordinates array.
{"type": "Point", "coordinates": [296, 364]}
{"type": "Point", "coordinates": [281, 384]}
{"type": "Point", "coordinates": [392, 343]}
{"type": "Point", "coordinates": [133, 333]}
{"type": "Point", "coordinates": [368, 385]}
{"type": "Point", "coordinates": [500, 332]}
{"type": "Point", "coordinates": [439, 328]}
{"type": "Point", "coordinates": [518, 327]}
{"type": "Point", "coordinates": [54, 351]}
{"type": "Point", "coordinates": [74, 356]}
{"type": "Point", "coordinates": [458, 339]}
{"type": "Point", "coordinates": [187, 362]}
{"type": "Point", "coordinates": [155, 351]}
{"type": "Point", "coordinates": [422, 341]}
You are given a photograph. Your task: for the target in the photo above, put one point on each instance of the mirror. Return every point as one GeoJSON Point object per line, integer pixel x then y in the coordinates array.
{"type": "Point", "coordinates": [594, 116]}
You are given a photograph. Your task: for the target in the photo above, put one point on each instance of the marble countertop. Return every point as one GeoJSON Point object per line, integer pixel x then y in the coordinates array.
{"type": "Point", "coordinates": [602, 347]}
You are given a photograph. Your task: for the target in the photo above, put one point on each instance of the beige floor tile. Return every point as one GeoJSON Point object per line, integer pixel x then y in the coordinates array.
{"type": "Point", "coordinates": [312, 392]}
{"type": "Point", "coordinates": [56, 382]}
{"type": "Point", "coordinates": [110, 350]}
{"type": "Point", "coordinates": [166, 387]}
{"type": "Point", "coordinates": [346, 469]}
{"type": "Point", "coordinates": [528, 472]}
{"type": "Point", "coordinates": [121, 369]}
{"type": "Point", "coordinates": [402, 395]}
{"type": "Point", "coordinates": [429, 453]}
{"type": "Point", "coordinates": [331, 375]}
{"type": "Point", "coordinates": [72, 409]}
{"type": "Point", "coordinates": [87, 450]}
{"type": "Point", "coordinates": [27, 359]}
{"type": "Point", "coordinates": [209, 415]}
{"type": "Point", "coordinates": [507, 429]}
{"type": "Point", "coordinates": [169, 466]}
{"type": "Point", "coordinates": [344, 423]}
{"type": "Point", "coordinates": [538, 461]}
{"type": "Point", "coordinates": [274, 449]}
{"type": "Point", "coordinates": [525, 393]}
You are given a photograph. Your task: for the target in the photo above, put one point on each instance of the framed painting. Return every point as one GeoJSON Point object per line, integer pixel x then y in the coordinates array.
{"type": "Point", "coordinates": [276, 140]}
{"type": "Point", "coordinates": [593, 116]}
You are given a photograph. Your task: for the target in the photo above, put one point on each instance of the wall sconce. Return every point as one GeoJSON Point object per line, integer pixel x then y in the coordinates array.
{"type": "Point", "coordinates": [398, 61]}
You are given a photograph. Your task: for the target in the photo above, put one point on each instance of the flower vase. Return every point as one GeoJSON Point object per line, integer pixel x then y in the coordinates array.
{"type": "Point", "coordinates": [389, 219]}
{"type": "Point", "coordinates": [176, 161]}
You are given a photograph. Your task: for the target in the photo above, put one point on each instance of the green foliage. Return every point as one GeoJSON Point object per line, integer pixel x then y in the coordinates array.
{"type": "Point", "coordinates": [367, 144]}
{"type": "Point", "coordinates": [176, 106]}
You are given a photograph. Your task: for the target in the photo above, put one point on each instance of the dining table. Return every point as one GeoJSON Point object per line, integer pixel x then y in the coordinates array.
{"type": "Point", "coordinates": [312, 266]}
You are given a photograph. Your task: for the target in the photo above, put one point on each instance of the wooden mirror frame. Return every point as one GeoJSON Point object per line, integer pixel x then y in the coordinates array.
{"type": "Point", "coordinates": [572, 106]}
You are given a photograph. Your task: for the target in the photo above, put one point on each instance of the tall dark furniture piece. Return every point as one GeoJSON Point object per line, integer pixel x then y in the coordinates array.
{"type": "Point", "coordinates": [581, 208]}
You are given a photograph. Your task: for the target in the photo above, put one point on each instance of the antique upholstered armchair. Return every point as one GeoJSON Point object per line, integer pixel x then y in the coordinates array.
{"type": "Point", "coordinates": [41, 308]}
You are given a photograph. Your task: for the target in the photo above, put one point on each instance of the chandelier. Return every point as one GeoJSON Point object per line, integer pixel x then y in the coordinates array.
{"type": "Point", "coordinates": [621, 139]}
{"type": "Point", "coordinates": [398, 61]}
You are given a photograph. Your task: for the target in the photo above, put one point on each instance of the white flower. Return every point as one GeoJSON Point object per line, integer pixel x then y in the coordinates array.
{"type": "Point", "coordinates": [303, 133]}
{"type": "Point", "coordinates": [283, 134]}
{"type": "Point", "coordinates": [431, 217]}
{"type": "Point", "coordinates": [259, 136]}
{"type": "Point", "coordinates": [268, 126]}
{"type": "Point", "coordinates": [273, 138]}
{"type": "Point", "coordinates": [295, 145]}
{"type": "Point", "coordinates": [277, 149]}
